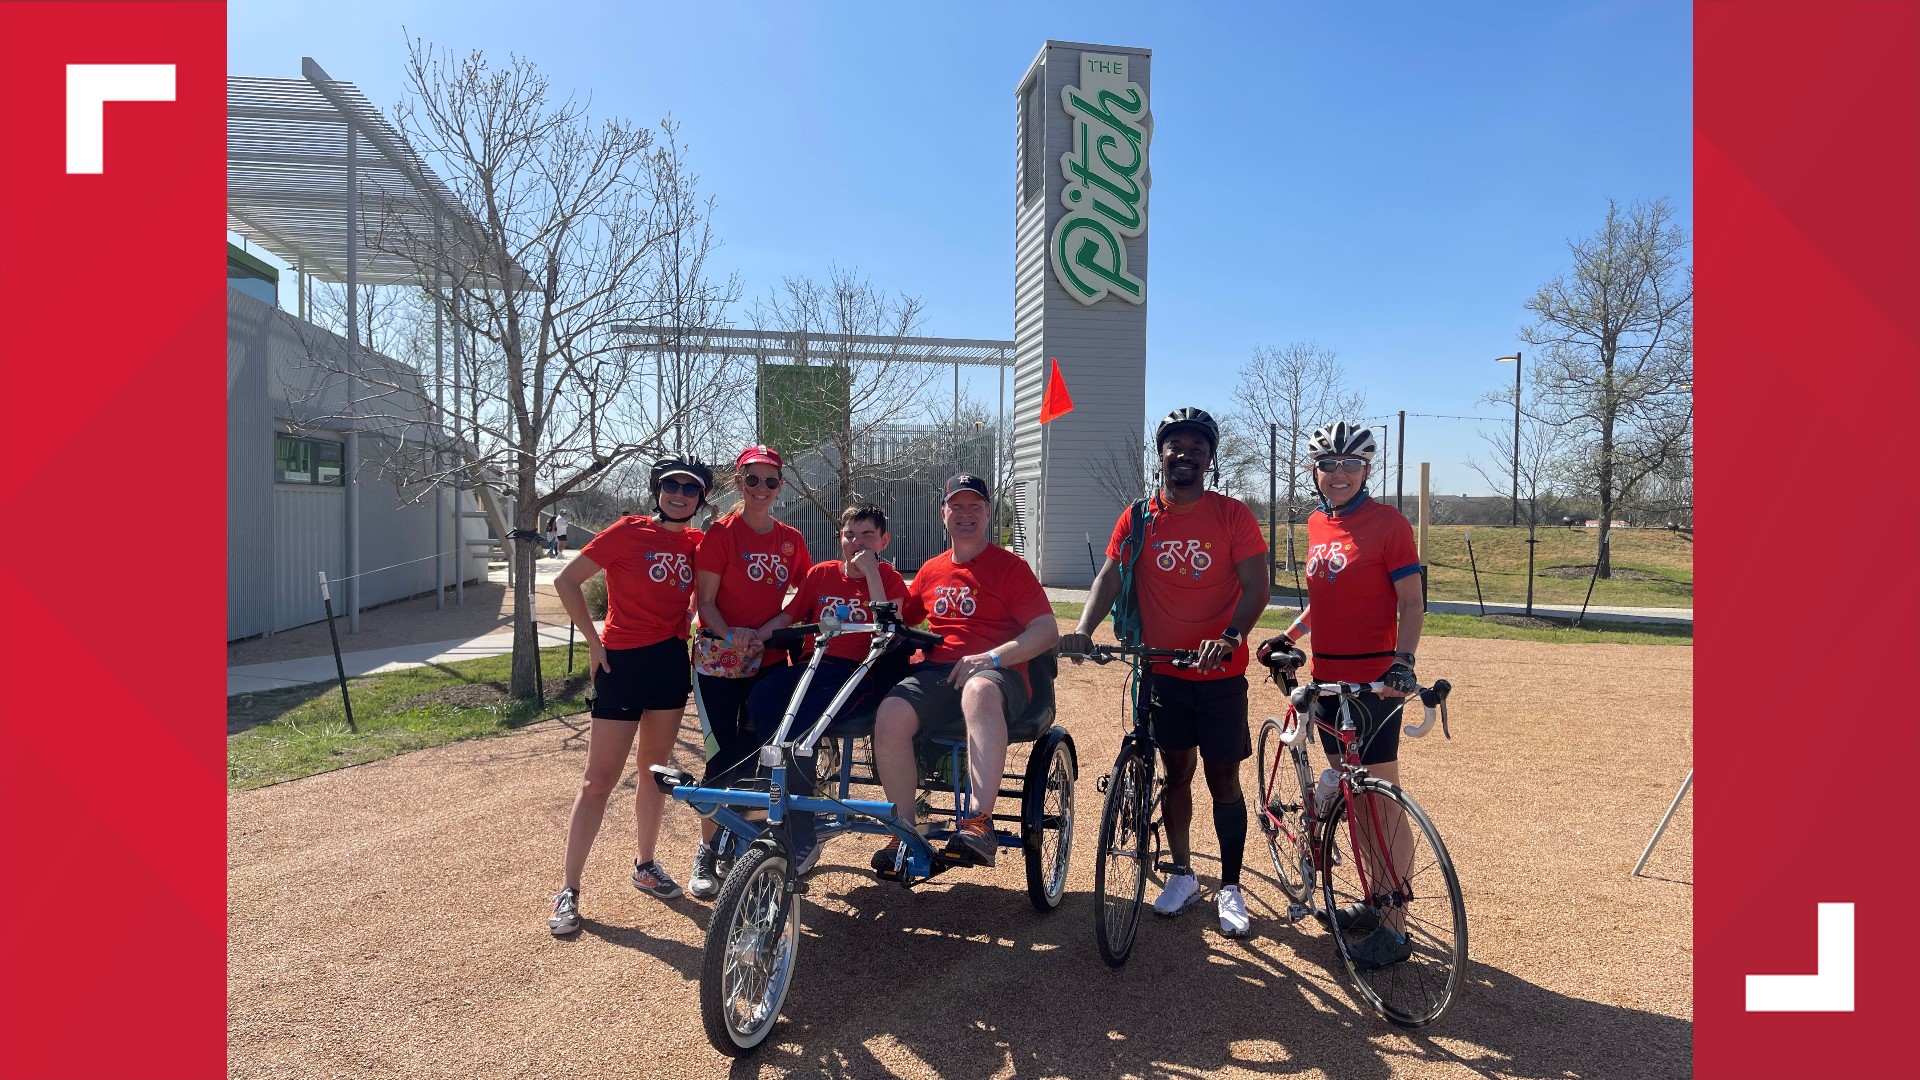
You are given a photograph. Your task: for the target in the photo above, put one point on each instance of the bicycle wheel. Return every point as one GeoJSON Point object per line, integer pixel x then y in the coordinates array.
{"type": "Point", "coordinates": [1120, 874]}
{"type": "Point", "coordinates": [1283, 776]}
{"type": "Point", "coordinates": [1046, 819]}
{"type": "Point", "coordinates": [1407, 949]}
{"type": "Point", "coordinates": [753, 941]}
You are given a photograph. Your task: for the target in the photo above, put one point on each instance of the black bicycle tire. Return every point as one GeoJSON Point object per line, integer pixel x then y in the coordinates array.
{"type": "Point", "coordinates": [1269, 754]}
{"type": "Point", "coordinates": [1047, 885]}
{"type": "Point", "coordinates": [1333, 833]}
{"type": "Point", "coordinates": [713, 963]}
{"type": "Point", "coordinates": [1117, 945]}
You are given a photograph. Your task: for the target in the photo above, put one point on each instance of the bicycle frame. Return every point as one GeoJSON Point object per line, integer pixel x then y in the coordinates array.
{"type": "Point", "coordinates": [835, 817]}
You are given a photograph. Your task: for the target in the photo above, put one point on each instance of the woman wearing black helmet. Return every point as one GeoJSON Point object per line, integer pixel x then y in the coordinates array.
{"type": "Point", "coordinates": [641, 677]}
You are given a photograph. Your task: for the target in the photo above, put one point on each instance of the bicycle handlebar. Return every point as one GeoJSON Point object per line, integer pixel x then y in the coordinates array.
{"type": "Point", "coordinates": [1433, 698]}
{"type": "Point", "coordinates": [1107, 654]}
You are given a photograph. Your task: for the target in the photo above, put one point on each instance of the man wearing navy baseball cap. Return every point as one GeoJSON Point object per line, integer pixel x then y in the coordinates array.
{"type": "Point", "coordinates": [993, 617]}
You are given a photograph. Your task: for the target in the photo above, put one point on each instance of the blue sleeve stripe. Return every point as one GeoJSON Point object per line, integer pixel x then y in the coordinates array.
{"type": "Point", "coordinates": [1410, 568]}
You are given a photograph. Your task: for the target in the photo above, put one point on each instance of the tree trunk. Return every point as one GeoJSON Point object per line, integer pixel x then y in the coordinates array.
{"type": "Point", "coordinates": [525, 682]}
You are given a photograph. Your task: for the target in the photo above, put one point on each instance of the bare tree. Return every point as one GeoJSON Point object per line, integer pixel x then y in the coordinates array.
{"type": "Point", "coordinates": [579, 227]}
{"type": "Point", "coordinates": [1120, 471]}
{"type": "Point", "coordinates": [1542, 458]}
{"type": "Point", "coordinates": [1616, 341]}
{"type": "Point", "coordinates": [864, 407]}
{"type": "Point", "coordinates": [1296, 388]}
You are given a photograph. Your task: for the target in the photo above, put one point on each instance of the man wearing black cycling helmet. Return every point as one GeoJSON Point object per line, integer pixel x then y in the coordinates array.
{"type": "Point", "coordinates": [1364, 609]}
{"type": "Point", "coordinates": [639, 666]}
{"type": "Point", "coordinates": [1200, 583]}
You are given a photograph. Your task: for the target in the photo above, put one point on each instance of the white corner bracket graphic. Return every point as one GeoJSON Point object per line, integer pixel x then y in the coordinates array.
{"type": "Point", "coordinates": [89, 88]}
{"type": "Point", "coordinates": [1829, 988]}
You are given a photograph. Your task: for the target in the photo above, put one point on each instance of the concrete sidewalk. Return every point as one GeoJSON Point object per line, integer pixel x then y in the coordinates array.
{"type": "Point", "coordinates": [316, 669]}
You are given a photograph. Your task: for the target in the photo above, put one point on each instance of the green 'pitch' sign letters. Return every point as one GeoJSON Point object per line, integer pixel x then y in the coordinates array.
{"type": "Point", "coordinates": [1105, 194]}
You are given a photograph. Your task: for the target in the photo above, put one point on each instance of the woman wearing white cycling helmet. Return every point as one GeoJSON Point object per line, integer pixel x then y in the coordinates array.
{"type": "Point", "coordinates": [641, 678]}
{"type": "Point", "coordinates": [1364, 609]}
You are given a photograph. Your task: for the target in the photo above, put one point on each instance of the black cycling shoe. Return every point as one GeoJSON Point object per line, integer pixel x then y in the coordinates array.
{"type": "Point", "coordinates": [1355, 918]}
{"type": "Point", "coordinates": [1379, 949]}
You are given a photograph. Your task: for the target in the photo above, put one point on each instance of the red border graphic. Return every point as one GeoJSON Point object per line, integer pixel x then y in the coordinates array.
{"type": "Point", "coordinates": [112, 950]}
{"type": "Point", "coordinates": [1807, 171]}
{"type": "Point", "coordinates": [112, 414]}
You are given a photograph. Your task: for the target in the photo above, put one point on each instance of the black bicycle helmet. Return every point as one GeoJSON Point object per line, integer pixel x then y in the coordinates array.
{"type": "Point", "coordinates": [1342, 439]}
{"type": "Point", "coordinates": [1194, 418]}
{"type": "Point", "coordinates": [674, 463]}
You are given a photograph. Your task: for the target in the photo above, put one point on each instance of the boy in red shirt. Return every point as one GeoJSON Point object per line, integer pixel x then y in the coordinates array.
{"type": "Point", "coordinates": [984, 601]}
{"type": "Point", "coordinates": [854, 581]}
{"type": "Point", "coordinates": [1200, 583]}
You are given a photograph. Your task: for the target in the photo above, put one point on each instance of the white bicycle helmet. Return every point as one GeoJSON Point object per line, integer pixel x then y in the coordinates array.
{"type": "Point", "coordinates": [1342, 439]}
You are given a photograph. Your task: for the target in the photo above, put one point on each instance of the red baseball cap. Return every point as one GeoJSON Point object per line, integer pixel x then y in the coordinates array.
{"type": "Point", "coordinates": [758, 455]}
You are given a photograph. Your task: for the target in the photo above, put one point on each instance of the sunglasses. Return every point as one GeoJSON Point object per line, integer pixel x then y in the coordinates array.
{"type": "Point", "coordinates": [768, 482]}
{"type": "Point", "coordinates": [692, 488]}
{"type": "Point", "coordinates": [1341, 464]}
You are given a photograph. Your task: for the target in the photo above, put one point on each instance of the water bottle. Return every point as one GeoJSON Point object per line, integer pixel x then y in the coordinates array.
{"type": "Point", "coordinates": [1324, 792]}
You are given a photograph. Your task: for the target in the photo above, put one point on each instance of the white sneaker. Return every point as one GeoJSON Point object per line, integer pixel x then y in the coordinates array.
{"type": "Point", "coordinates": [1233, 912]}
{"type": "Point", "coordinates": [1181, 892]}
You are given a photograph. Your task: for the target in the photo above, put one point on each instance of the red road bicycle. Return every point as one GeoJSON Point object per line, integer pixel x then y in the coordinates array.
{"type": "Point", "coordinates": [1401, 890]}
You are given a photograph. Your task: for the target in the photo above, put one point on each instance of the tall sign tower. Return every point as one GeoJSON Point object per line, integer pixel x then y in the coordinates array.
{"type": "Point", "coordinates": [1080, 295]}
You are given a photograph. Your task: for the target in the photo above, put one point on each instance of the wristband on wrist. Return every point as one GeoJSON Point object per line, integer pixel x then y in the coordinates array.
{"type": "Point", "coordinates": [993, 656]}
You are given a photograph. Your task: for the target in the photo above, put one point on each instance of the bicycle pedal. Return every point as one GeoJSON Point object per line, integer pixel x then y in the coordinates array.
{"type": "Point", "coordinates": [1100, 785]}
{"type": "Point", "coordinates": [1297, 912]}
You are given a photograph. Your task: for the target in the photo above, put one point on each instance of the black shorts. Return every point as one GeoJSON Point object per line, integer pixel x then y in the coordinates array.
{"type": "Point", "coordinates": [1210, 714]}
{"type": "Point", "coordinates": [656, 676]}
{"type": "Point", "coordinates": [938, 704]}
{"type": "Point", "coordinates": [1378, 719]}
{"type": "Point", "coordinates": [722, 705]}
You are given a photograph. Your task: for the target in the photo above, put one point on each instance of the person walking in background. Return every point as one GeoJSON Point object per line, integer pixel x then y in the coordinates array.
{"type": "Point", "coordinates": [741, 572]}
{"type": "Point", "coordinates": [559, 532]}
{"type": "Point", "coordinates": [641, 678]}
{"type": "Point", "coordinates": [550, 535]}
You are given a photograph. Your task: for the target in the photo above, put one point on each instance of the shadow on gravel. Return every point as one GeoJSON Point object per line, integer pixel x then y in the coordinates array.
{"type": "Point", "coordinates": [969, 980]}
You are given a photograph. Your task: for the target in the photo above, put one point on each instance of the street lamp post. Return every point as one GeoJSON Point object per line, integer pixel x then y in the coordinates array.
{"type": "Point", "coordinates": [1516, 432]}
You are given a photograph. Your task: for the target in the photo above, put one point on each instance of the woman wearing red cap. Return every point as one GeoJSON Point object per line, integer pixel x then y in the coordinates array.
{"type": "Point", "coordinates": [741, 572]}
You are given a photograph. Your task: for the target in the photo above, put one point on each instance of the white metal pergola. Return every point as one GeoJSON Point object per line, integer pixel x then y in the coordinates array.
{"type": "Point", "coordinates": [318, 177]}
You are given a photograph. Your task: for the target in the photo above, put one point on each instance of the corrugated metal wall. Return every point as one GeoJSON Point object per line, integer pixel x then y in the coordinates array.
{"type": "Point", "coordinates": [1102, 349]}
{"type": "Point", "coordinates": [309, 529]}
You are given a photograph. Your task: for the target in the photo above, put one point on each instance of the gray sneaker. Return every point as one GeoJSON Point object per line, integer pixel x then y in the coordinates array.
{"type": "Point", "coordinates": [704, 882]}
{"type": "Point", "coordinates": [652, 878]}
{"type": "Point", "coordinates": [566, 913]}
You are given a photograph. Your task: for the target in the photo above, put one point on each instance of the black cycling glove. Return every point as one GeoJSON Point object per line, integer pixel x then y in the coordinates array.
{"type": "Point", "coordinates": [1400, 677]}
{"type": "Point", "coordinates": [1280, 652]}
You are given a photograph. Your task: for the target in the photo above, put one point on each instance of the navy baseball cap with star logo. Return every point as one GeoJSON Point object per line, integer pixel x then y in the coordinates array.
{"type": "Point", "coordinates": [960, 482]}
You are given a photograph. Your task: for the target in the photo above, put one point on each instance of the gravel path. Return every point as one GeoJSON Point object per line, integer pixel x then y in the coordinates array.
{"type": "Point", "coordinates": [389, 920]}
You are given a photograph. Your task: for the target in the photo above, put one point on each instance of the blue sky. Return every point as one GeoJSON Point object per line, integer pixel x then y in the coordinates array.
{"type": "Point", "coordinates": [1391, 181]}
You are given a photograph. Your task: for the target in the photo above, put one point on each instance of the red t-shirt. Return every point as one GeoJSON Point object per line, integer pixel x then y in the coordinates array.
{"type": "Point", "coordinates": [1353, 561]}
{"type": "Point", "coordinates": [826, 587]}
{"type": "Point", "coordinates": [649, 580]}
{"type": "Point", "coordinates": [976, 605]}
{"type": "Point", "coordinates": [754, 569]}
{"type": "Point", "coordinates": [1187, 579]}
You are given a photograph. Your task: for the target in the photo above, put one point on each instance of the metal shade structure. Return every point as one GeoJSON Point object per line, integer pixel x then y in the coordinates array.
{"type": "Point", "coordinates": [317, 176]}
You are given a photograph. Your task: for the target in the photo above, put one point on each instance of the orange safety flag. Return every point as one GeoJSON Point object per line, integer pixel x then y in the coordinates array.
{"type": "Point", "coordinates": [1055, 403]}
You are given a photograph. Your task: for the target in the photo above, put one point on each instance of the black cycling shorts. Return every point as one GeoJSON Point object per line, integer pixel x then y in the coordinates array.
{"type": "Point", "coordinates": [656, 676]}
{"type": "Point", "coordinates": [1210, 714]}
{"type": "Point", "coordinates": [1378, 719]}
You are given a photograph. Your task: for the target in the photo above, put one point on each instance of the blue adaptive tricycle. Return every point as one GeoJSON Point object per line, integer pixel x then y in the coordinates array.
{"type": "Point", "coordinates": [753, 939]}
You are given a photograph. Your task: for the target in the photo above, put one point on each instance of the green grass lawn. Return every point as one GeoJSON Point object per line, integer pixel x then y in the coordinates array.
{"type": "Point", "coordinates": [1651, 567]}
{"type": "Point", "coordinates": [278, 735]}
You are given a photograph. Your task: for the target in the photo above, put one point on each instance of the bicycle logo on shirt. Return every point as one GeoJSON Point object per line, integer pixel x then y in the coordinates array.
{"type": "Point", "coordinates": [670, 566]}
{"type": "Point", "coordinates": [1182, 556]}
{"type": "Point", "coordinates": [856, 608]}
{"type": "Point", "coordinates": [761, 566]}
{"type": "Point", "coordinates": [1332, 555]}
{"type": "Point", "coordinates": [954, 599]}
